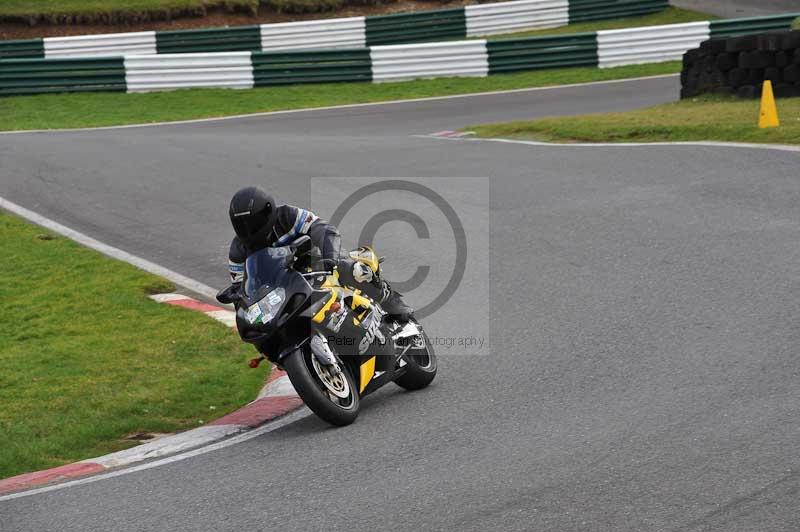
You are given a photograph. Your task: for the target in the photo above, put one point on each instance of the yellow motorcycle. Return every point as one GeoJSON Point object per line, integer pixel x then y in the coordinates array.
{"type": "Point", "coordinates": [335, 343]}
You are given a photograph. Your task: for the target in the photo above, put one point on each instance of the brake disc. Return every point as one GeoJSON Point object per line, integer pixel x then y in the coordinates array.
{"type": "Point", "coordinates": [333, 378]}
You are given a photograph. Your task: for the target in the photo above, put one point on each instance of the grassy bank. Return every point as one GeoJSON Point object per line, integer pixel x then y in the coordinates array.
{"type": "Point", "coordinates": [55, 111]}
{"type": "Point", "coordinates": [45, 7]}
{"type": "Point", "coordinates": [88, 359]}
{"type": "Point", "coordinates": [115, 11]}
{"type": "Point", "coordinates": [671, 15]}
{"type": "Point", "coordinates": [137, 11]}
{"type": "Point", "coordinates": [707, 118]}
{"type": "Point", "coordinates": [132, 11]}
{"type": "Point", "coordinates": [47, 16]}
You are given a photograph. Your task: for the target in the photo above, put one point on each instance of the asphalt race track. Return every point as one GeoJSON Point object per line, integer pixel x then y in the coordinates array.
{"type": "Point", "coordinates": [643, 371]}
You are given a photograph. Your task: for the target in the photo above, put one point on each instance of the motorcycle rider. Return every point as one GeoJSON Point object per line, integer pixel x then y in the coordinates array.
{"type": "Point", "coordinates": [260, 222]}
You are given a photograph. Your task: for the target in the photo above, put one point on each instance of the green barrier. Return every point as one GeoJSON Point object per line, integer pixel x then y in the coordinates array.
{"type": "Point", "coordinates": [534, 53]}
{"type": "Point", "coordinates": [29, 48]}
{"type": "Point", "coordinates": [585, 10]}
{"type": "Point", "coordinates": [416, 27]}
{"type": "Point", "coordinates": [239, 39]}
{"type": "Point", "coordinates": [33, 76]}
{"type": "Point", "coordinates": [325, 66]}
{"type": "Point", "coordinates": [745, 26]}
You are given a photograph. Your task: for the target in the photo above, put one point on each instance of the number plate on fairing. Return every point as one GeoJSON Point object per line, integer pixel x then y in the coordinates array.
{"type": "Point", "coordinates": [253, 313]}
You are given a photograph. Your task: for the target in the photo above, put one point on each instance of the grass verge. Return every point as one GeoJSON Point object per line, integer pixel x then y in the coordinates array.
{"type": "Point", "coordinates": [87, 358]}
{"type": "Point", "coordinates": [671, 15]}
{"type": "Point", "coordinates": [707, 118]}
{"type": "Point", "coordinates": [58, 111]}
{"type": "Point", "coordinates": [91, 11]}
{"type": "Point", "coordinates": [132, 11]}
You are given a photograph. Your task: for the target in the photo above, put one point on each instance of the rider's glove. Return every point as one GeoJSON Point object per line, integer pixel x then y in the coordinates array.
{"type": "Point", "coordinates": [362, 273]}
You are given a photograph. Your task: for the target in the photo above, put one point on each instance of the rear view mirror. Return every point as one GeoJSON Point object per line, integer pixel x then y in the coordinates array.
{"type": "Point", "coordinates": [228, 295]}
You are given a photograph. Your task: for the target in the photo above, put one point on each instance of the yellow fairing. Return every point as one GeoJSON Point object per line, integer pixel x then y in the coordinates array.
{"type": "Point", "coordinates": [360, 306]}
{"type": "Point", "coordinates": [360, 301]}
{"type": "Point", "coordinates": [320, 315]}
{"type": "Point", "coordinates": [367, 371]}
{"type": "Point", "coordinates": [332, 280]}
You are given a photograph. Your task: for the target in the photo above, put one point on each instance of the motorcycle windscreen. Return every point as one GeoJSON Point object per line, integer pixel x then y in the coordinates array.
{"type": "Point", "coordinates": [267, 269]}
{"type": "Point", "coordinates": [274, 293]}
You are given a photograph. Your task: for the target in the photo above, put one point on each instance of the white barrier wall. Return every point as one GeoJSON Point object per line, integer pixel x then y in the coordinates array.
{"type": "Point", "coordinates": [400, 62]}
{"type": "Point", "coordinates": [231, 70]}
{"type": "Point", "coordinates": [105, 45]}
{"type": "Point", "coordinates": [489, 19]}
{"type": "Point", "coordinates": [652, 44]}
{"type": "Point", "coordinates": [330, 33]}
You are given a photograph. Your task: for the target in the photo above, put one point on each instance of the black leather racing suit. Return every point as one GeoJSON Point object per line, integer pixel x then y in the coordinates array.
{"type": "Point", "coordinates": [292, 222]}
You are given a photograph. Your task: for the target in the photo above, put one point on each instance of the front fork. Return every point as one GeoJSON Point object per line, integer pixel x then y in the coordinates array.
{"type": "Point", "coordinates": [322, 351]}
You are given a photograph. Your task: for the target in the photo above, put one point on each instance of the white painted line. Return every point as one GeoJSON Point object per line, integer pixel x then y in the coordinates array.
{"type": "Point", "coordinates": [709, 143]}
{"type": "Point", "coordinates": [111, 251]}
{"type": "Point", "coordinates": [176, 443]}
{"type": "Point", "coordinates": [335, 107]}
{"type": "Point", "coordinates": [228, 317]}
{"type": "Point", "coordinates": [280, 387]}
{"type": "Point", "coordinates": [451, 134]}
{"type": "Point", "coordinates": [163, 298]}
{"type": "Point", "coordinates": [269, 427]}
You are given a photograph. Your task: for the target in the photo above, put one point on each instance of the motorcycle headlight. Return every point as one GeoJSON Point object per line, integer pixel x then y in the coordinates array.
{"type": "Point", "coordinates": [266, 309]}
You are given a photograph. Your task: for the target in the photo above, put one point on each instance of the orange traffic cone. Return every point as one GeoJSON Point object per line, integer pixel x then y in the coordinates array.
{"type": "Point", "coordinates": [769, 111]}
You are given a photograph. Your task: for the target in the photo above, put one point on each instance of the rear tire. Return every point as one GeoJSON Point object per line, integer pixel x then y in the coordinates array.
{"type": "Point", "coordinates": [420, 368]}
{"type": "Point", "coordinates": [313, 392]}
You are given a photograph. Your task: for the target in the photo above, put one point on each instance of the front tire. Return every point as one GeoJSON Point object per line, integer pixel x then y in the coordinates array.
{"type": "Point", "coordinates": [312, 390]}
{"type": "Point", "coordinates": [420, 367]}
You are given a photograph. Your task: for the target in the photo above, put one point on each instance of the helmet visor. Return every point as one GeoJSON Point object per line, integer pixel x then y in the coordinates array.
{"type": "Point", "coordinates": [250, 224]}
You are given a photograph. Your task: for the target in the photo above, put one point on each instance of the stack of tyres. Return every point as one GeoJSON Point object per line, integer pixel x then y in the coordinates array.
{"type": "Point", "coordinates": [740, 65]}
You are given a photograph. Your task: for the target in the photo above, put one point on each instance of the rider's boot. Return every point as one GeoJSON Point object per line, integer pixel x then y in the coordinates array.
{"type": "Point", "coordinates": [392, 302]}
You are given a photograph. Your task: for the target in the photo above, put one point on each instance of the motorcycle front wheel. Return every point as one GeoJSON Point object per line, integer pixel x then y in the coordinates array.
{"type": "Point", "coordinates": [420, 365]}
{"type": "Point", "coordinates": [333, 397]}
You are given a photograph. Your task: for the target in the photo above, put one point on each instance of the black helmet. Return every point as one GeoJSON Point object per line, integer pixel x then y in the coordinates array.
{"type": "Point", "coordinates": [253, 214]}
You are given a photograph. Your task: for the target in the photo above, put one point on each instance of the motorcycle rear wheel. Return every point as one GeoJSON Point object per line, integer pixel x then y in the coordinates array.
{"type": "Point", "coordinates": [312, 390]}
{"type": "Point", "coordinates": [420, 367]}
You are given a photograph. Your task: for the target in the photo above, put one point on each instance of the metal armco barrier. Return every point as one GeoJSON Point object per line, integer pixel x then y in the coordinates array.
{"type": "Point", "coordinates": [382, 63]}
{"type": "Point", "coordinates": [535, 53]}
{"type": "Point", "coordinates": [31, 76]}
{"type": "Point", "coordinates": [144, 73]}
{"type": "Point", "coordinates": [433, 60]}
{"type": "Point", "coordinates": [143, 42]}
{"type": "Point", "coordinates": [239, 39]}
{"type": "Point", "coordinates": [491, 19]}
{"type": "Point", "coordinates": [649, 45]}
{"type": "Point", "coordinates": [29, 48]}
{"type": "Point", "coordinates": [420, 26]}
{"type": "Point", "coordinates": [416, 27]}
{"type": "Point", "coordinates": [329, 33]}
{"type": "Point", "coordinates": [583, 10]}
{"type": "Point", "coordinates": [721, 29]}
{"type": "Point", "coordinates": [325, 66]}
